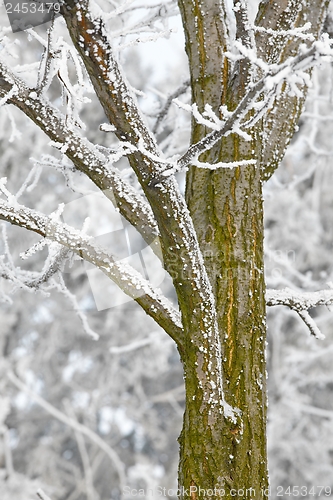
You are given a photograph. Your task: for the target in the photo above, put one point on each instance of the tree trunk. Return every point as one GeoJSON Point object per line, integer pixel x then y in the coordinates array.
{"type": "Point", "coordinates": [227, 211]}
{"type": "Point", "coordinates": [221, 456]}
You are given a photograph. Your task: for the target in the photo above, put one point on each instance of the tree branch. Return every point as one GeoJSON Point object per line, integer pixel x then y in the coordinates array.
{"type": "Point", "coordinates": [301, 302]}
{"type": "Point", "coordinates": [128, 279]}
{"type": "Point", "coordinates": [35, 281]}
{"type": "Point", "coordinates": [283, 20]}
{"type": "Point", "coordinates": [164, 111]}
{"type": "Point", "coordinates": [310, 323]}
{"type": "Point", "coordinates": [274, 76]}
{"type": "Point", "coordinates": [89, 36]}
{"type": "Point", "coordinates": [83, 154]}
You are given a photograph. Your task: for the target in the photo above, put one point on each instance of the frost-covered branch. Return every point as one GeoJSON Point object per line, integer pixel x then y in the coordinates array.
{"type": "Point", "coordinates": [52, 266]}
{"type": "Point", "coordinates": [293, 71]}
{"type": "Point", "coordinates": [82, 153]}
{"type": "Point", "coordinates": [310, 323]}
{"type": "Point", "coordinates": [91, 40]}
{"type": "Point", "coordinates": [43, 496]}
{"type": "Point", "coordinates": [128, 279]}
{"type": "Point", "coordinates": [291, 33]}
{"type": "Point", "coordinates": [164, 111]}
{"type": "Point", "coordinates": [301, 302]}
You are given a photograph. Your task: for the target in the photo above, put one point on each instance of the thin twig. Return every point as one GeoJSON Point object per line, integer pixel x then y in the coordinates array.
{"type": "Point", "coordinates": [314, 330]}
{"type": "Point", "coordinates": [164, 111]}
{"type": "Point", "coordinates": [40, 493]}
{"type": "Point", "coordinates": [88, 474]}
{"type": "Point", "coordinates": [301, 302]}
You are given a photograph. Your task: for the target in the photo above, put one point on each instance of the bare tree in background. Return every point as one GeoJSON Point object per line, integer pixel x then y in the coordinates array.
{"type": "Point", "coordinates": [248, 82]}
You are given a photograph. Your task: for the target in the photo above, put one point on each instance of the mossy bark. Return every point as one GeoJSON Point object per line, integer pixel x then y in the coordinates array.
{"type": "Point", "coordinates": [226, 207]}
{"type": "Point", "coordinates": [227, 458]}
{"type": "Point", "coordinates": [232, 455]}
{"type": "Point", "coordinates": [223, 456]}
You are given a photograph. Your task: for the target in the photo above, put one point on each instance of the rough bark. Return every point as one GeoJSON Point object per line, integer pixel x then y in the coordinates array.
{"type": "Point", "coordinates": [227, 211]}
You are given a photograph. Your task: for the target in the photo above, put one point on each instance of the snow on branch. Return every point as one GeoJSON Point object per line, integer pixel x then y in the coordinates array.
{"type": "Point", "coordinates": [127, 278]}
{"type": "Point", "coordinates": [43, 496]}
{"type": "Point", "coordinates": [261, 95]}
{"type": "Point", "coordinates": [28, 279]}
{"type": "Point", "coordinates": [310, 323]}
{"type": "Point", "coordinates": [301, 302]}
{"type": "Point", "coordinates": [208, 118]}
{"type": "Point", "coordinates": [292, 33]}
{"type": "Point", "coordinates": [83, 154]}
{"type": "Point", "coordinates": [229, 164]}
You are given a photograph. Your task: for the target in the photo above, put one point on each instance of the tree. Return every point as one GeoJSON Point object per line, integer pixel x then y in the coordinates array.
{"type": "Point", "coordinates": [248, 77]}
